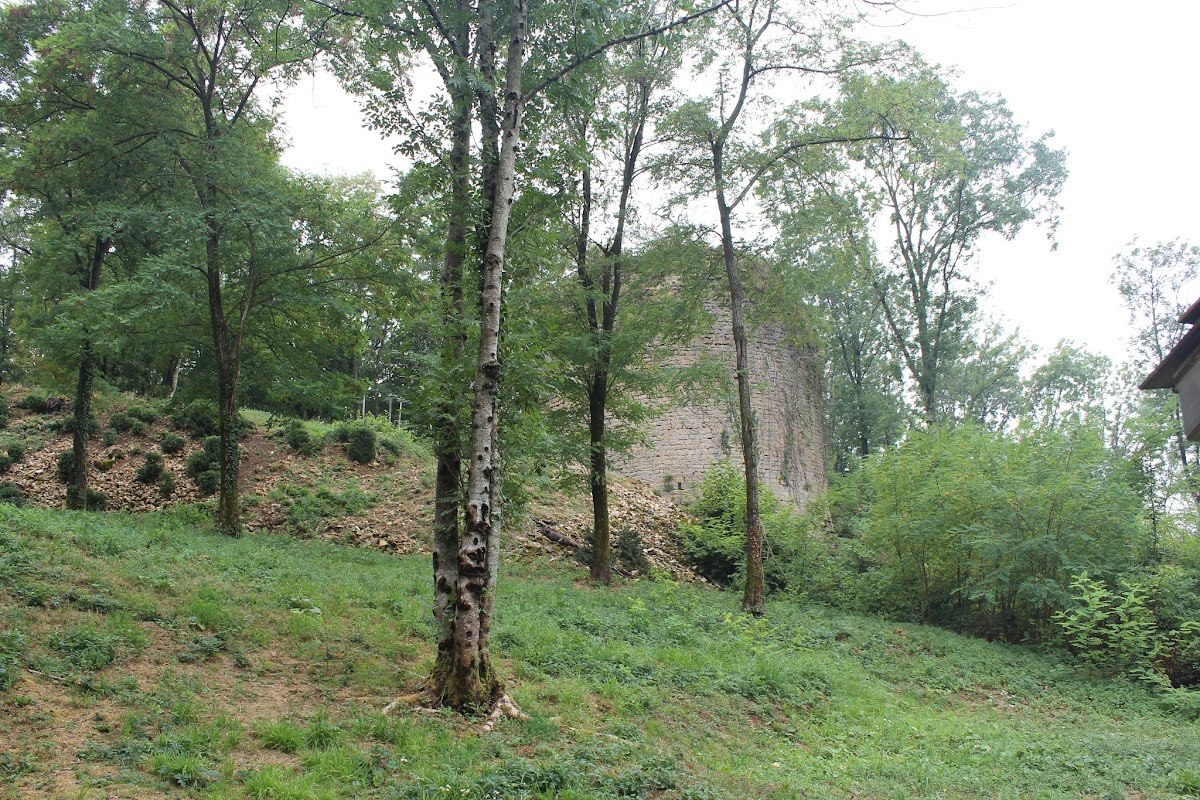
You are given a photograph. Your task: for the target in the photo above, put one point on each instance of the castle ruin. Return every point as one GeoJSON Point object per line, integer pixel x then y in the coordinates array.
{"type": "Point", "coordinates": [686, 440]}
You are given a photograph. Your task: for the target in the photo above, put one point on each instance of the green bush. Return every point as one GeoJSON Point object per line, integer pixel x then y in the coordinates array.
{"type": "Point", "coordinates": [171, 443]}
{"type": "Point", "coordinates": [1111, 633]}
{"type": "Point", "coordinates": [716, 543]}
{"type": "Point", "coordinates": [199, 418]}
{"type": "Point", "coordinates": [33, 402]}
{"type": "Point", "coordinates": [196, 463]}
{"type": "Point", "coordinates": [340, 433]}
{"type": "Point", "coordinates": [11, 493]}
{"type": "Point", "coordinates": [3, 410]}
{"type": "Point", "coordinates": [208, 482]}
{"type": "Point", "coordinates": [67, 425]}
{"type": "Point", "coordinates": [297, 437]}
{"type": "Point", "coordinates": [65, 467]}
{"type": "Point", "coordinates": [985, 531]}
{"type": "Point", "coordinates": [143, 413]}
{"type": "Point", "coordinates": [212, 449]}
{"type": "Point", "coordinates": [151, 468]}
{"type": "Point", "coordinates": [361, 445]}
{"type": "Point", "coordinates": [629, 553]}
{"type": "Point", "coordinates": [16, 451]}
{"type": "Point", "coordinates": [6, 462]}
{"type": "Point", "coordinates": [137, 428]}
{"type": "Point", "coordinates": [166, 486]}
{"type": "Point", "coordinates": [109, 437]}
{"type": "Point", "coordinates": [96, 500]}
{"type": "Point", "coordinates": [121, 422]}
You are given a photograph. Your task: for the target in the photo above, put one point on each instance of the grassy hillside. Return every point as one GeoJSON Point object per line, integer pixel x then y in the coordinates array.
{"type": "Point", "coordinates": [141, 656]}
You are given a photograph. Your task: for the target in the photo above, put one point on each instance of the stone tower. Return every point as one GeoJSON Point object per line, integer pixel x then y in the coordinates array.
{"type": "Point", "coordinates": [686, 440]}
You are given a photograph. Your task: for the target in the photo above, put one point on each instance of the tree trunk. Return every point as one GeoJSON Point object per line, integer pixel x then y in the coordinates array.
{"type": "Point", "coordinates": [226, 351]}
{"type": "Point", "coordinates": [597, 388]}
{"type": "Point", "coordinates": [598, 476]}
{"type": "Point", "coordinates": [471, 682]}
{"type": "Point", "coordinates": [754, 598]}
{"type": "Point", "coordinates": [170, 376]}
{"type": "Point", "coordinates": [447, 430]}
{"type": "Point", "coordinates": [77, 493]}
{"type": "Point", "coordinates": [228, 503]}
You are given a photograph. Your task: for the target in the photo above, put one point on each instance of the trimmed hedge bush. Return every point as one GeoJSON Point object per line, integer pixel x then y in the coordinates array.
{"type": "Point", "coordinates": [361, 445]}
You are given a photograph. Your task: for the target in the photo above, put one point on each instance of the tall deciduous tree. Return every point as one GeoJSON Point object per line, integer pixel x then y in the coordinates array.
{"type": "Point", "coordinates": [492, 59]}
{"type": "Point", "coordinates": [719, 154]}
{"type": "Point", "coordinates": [961, 168]}
{"type": "Point", "coordinates": [208, 60]}
{"type": "Point", "coordinates": [83, 175]}
{"type": "Point", "coordinates": [639, 74]}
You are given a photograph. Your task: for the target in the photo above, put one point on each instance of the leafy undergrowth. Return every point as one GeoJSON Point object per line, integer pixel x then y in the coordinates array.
{"type": "Point", "coordinates": [143, 657]}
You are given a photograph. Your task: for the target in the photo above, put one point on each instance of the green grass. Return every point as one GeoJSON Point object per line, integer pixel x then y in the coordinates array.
{"type": "Point", "coordinates": [647, 690]}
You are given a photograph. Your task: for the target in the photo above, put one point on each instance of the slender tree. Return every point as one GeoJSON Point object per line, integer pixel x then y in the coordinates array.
{"type": "Point", "coordinates": [210, 59]}
{"type": "Point", "coordinates": [638, 74]}
{"type": "Point", "coordinates": [488, 77]}
{"type": "Point", "coordinates": [720, 154]}
{"type": "Point", "coordinates": [81, 174]}
{"type": "Point", "coordinates": [960, 168]}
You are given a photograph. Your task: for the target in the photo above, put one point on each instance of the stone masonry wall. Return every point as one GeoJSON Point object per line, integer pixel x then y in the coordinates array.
{"type": "Point", "coordinates": [686, 440]}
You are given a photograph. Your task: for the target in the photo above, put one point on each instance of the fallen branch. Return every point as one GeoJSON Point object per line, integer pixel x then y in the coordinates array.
{"type": "Point", "coordinates": [55, 678]}
{"type": "Point", "coordinates": [547, 530]}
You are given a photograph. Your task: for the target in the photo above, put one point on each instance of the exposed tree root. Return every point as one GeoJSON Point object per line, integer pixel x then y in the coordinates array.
{"type": "Point", "coordinates": [414, 699]}
{"type": "Point", "coordinates": [505, 707]}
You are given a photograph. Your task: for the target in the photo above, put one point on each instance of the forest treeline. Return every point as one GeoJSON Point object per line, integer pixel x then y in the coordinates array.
{"type": "Point", "coordinates": [579, 181]}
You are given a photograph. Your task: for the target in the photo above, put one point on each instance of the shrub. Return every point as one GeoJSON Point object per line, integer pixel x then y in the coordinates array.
{"type": "Point", "coordinates": [171, 443]}
{"type": "Point", "coordinates": [361, 445]}
{"type": "Point", "coordinates": [16, 451]}
{"type": "Point", "coordinates": [1177, 656]}
{"type": "Point", "coordinates": [65, 467]}
{"type": "Point", "coordinates": [199, 418]}
{"type": "Point", "coordinates": [5, 462]}
{"type": "Point", "coordinates": [714, 545]}
{"type": "Point", "coordinates": [341, 433]}
{"type": "Point", "coordinates": [3, 410]}
{"type": "Point", "coordinates": [166, 486]}
{"type": "Point", "coordinates": [196, 463]}
{"type": "Point", "coordinates": [1111, 633]}
{"type": "Point", "coordinates": [984, 531]}
{"type": "Point", "coordinates": [96, 501]}
{"type": "Point", "coordinates": [67, 425]}
{"type": "Point", "coordinates": [109, 437]}
{"type": "Point", "coordinates": [11, 493]}
{"type": "Point", "coordinates": [151, 469]}
{"type": "Point", "coordinates": [137, 428]}
{"type": "Point", "coordinates": [212, 449]}
{"type": "Point", "coordinates": [298, 437]}
{"type": "Point", "coordinates": [208, 482]}
{"type": "Point", "coordinates": [33, 402]}
{"type": "Point", "coordinates": [143, 413]}
{"type": "Point", "coordinates": [629, 552]}
{"type": "Point", "coordinates": [121, 422]}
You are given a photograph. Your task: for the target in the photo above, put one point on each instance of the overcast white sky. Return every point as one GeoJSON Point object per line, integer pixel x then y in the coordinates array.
{"type": "Point", "coordinates": [1115, 80]}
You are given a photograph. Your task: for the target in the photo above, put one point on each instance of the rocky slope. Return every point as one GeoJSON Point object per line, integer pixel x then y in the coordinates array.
{"type": "Point", "coordinates": [386, 505]}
